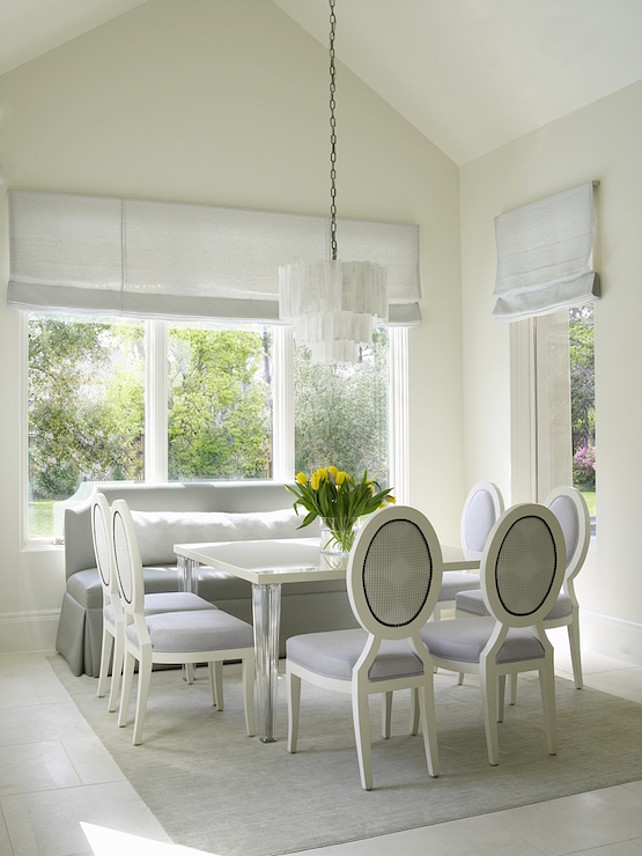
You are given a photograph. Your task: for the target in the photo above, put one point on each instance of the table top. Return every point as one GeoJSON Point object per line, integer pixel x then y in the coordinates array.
{"type": "Point", "coordinates": [289, 560]}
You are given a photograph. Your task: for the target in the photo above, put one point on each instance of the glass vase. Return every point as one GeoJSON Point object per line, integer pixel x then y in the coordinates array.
{"type": "Point", "coordinates": [337, 535]}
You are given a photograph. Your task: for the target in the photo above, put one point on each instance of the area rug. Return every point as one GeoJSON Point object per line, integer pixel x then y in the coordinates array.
{"type": "Point", "coordinates": [214, 789]}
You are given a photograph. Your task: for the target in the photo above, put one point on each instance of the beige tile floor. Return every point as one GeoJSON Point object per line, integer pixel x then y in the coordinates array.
{"type": "Point", "coordinates": [55, 775]}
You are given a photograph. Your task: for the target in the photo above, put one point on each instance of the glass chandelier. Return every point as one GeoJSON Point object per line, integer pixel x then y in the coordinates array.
{"type": "Point", "coordinates": [333, 305]}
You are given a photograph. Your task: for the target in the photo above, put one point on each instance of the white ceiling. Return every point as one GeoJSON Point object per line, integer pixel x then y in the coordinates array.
{"type": "Point", "coordinates": [469, 74]}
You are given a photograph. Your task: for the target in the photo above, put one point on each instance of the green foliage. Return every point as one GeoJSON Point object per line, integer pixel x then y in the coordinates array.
{"type": "Point", "coordinates": [341, 412]}
{"type": "Point", "coordinates": [582, 360]}
{"type": "Point", "coordinates": [85, 416]}
{"type": "Point", "coordinates": [219, 421]}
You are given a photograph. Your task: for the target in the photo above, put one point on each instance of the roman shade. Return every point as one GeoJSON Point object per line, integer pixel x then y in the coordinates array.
{"type": "Point", "coordinates": [104, 255]}
{"type": "Point", "coordinates": [543, 256]}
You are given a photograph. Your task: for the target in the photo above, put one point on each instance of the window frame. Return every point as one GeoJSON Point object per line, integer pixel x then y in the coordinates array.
{"type": "Point", "coordinates": [156, 441]}
{"type": "Point", "coordinates": [524, 431]}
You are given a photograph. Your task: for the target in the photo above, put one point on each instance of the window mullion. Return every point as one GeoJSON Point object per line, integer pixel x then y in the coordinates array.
{"type": "Point", "coordinates": [283, 404]}
{"type": "Point", "coordinates": [156, 401]}
{"type": "Point", "coordinates": [398, 433]}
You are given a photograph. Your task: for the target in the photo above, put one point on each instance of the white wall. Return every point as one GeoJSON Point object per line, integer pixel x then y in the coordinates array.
{"type": "Point", "coordinates": [601, 142]}
{"type": "Point", "coordinates": [224, 103]}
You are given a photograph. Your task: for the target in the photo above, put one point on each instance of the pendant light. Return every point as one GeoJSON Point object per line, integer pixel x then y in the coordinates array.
{"type": "Point", "coordinates": [334, 305]}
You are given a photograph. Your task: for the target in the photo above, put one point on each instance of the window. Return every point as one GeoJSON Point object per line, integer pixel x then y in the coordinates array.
{"type": "Point", "coordinates": [129, 400]}
{"type": "Point", "coordinates": [553, 382]}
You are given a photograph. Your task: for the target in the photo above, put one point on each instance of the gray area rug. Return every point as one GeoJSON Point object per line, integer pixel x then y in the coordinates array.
{"type": "Point", "coordinates": [214, 789]}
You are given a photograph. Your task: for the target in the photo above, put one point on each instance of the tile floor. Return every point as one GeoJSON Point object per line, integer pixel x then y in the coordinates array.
{"type": "Point", "coordinates": [55, 775]}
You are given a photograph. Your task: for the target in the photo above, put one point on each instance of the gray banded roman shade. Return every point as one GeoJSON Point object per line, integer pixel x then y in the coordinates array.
{"type": "Point", "coordinates": [104, 255]}
{"type": "Point", "coordinates": [543, 256]}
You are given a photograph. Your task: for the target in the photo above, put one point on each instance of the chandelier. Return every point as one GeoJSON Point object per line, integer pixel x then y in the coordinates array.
{"type": "Point", "coordinates": [334, 305]}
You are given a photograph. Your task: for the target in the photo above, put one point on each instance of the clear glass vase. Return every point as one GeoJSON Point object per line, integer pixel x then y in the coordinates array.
{"type": "Point", "coordinates": [337, 535]}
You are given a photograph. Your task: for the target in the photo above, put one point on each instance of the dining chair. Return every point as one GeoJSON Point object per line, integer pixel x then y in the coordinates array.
{"type": "Point", "coordinates": [483, 506]}
{"type": "Point", "coordinates": [114, 618]}
{"type": "Point", "coordinates": [393, 579]}
{"type": "Point", "coordinates": [522, 570]}
{"type": "Point", "coordinates": [569, 506]}
{"type": "Point", "coordinates": [171, 638]}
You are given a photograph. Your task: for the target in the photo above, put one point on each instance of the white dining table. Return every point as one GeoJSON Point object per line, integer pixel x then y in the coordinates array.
{"type": "Point", "coordinates": [268, 565]}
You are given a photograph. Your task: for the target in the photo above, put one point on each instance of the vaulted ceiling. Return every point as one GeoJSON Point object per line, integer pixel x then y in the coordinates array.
{"type": "Point", "coordinates": [471, 75]}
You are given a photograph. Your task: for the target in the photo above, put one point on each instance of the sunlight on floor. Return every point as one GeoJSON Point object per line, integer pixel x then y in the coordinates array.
{"type": "Point", "coordinates": [106, 842]}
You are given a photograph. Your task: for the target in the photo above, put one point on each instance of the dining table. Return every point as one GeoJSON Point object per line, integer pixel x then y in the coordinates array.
{"type": "Point", "coordinates": [269, 564]}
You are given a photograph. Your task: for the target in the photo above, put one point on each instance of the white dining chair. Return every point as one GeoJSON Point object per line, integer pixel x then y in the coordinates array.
{"type": "Point", "coordinates": [114, 617]}
{"type": "Point", "coordinates": [482, 508]}
{"type": "Point", "coordinates": [171, 638]}
{"type": "Point", "coordinates": [393, 579]}
{"type": "Point", "coordinates": [522, 570]}
{"type": "Point", "coordinates": [569, 506]}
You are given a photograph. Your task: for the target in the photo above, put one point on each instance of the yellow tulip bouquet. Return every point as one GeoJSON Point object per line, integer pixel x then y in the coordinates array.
{"type": "Point", "coordinates": [339, 500]}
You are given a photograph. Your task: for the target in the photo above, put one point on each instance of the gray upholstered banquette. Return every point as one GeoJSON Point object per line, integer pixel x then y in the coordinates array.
{"type": "Point", "coordinates": [185, 513]}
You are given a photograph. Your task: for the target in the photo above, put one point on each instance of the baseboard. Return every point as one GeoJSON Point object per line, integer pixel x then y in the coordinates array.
{"type": "Point", "coordinates": [612, 637]}
{"type": "Point", "coordinates": [28, 631]}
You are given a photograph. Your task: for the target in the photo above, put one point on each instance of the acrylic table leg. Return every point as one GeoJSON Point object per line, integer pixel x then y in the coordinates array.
{"type": "Point", "coordinates": [266, 612]}
{"type": "Point", "coordinates": [186, 583]}
{"type": "Point", "coordinates": [186, 573]}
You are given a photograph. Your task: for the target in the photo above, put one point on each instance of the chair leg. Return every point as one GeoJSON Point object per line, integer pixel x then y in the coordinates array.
{"type": "Point", "coordinates": [215, 671]}
{"type": "Point", "coordinates": [414, 711]}
{"type": "Point", "coordinates": [105, 657]}
{"type": "Point", "coordinates": [576, 654]}
{"type": "Point", "coordinates": [248, 694]}
{"type": "Point", "coordinates": [128, 678]}
{"type": "Point", "coordinates": [361, 719]}
{"type": "Point", "coordinates": [489, 707]}
{"type": "Point", "coordinates": [294, 706]}
{"type": "Point", "coordinates": [116, 672]}
{"type": "Point", "coordinates": [144, 680]}
{"type": "Point", "coordinates": [386, 715]}
{"type": "Point", "coordinates": [429, 726]}
{"type": "Point", "coordinates": [501, 695]}
{"type": "Point", "coordinates": [460, 680]}
{"type": "Point", "coordinates": [513, 688]}
{"type": "Point", "coordinates": [547, 689]}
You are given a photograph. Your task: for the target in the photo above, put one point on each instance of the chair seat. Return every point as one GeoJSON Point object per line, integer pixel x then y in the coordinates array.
{"type": "Point", "coordinates": [472, 602]}
{"type": "Point", "coordinates": [456, 581]}
{"type": "Point", "coordinates": [178, 601]}
{"type": "Point", "coordinates": [464, 639]}
{"type": "Point", "coordinates": [334, 654]}
{"type": "Point", "coordinates": [175, 601]}
{"type": "Point", "coordinates": [201, 630]}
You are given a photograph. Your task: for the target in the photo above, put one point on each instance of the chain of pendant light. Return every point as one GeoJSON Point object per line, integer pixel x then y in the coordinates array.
{"type": "Point", "coordinates": [333, 139]}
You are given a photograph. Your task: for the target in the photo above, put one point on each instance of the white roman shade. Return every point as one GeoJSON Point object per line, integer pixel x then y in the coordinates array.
{"type": "Point", "coordinates": [543, 256]}
{"type": "Point", "coordinates": [171, 260]}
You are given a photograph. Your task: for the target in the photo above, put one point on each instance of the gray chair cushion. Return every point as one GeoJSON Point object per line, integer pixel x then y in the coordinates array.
{"type": "Point", "coordinates": [85, 586]}
{"type": "Point", "coordinates": [455, 581]}
{"type": "Point", "coordinates": [464, 639]}
{"type": "Point", "coordinates": [562, 608]}
{"type": "Point", "coordinates": [334, 655]}
{"type": "Point", "coordinates": [472, 602]}
{"type": "Point", "coordinates": [179, 601]}
{"type": "Point", "coordinates": [202, 630]}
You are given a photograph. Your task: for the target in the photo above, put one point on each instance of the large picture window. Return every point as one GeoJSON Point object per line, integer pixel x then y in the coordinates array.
{"type": "Point", "coordinates": [113, 400]}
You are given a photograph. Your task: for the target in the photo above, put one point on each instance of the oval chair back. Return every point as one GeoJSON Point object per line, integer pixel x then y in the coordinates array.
{"type": "Point", "coordinates": [127, 561]}
{"type": "Point", "coordinates": [523, 566]}
{"type": "Point", "coordinates": [111, 650]}
{"type": "Point", "coordinates": [100, 533]}
{"type": "Point", "coordinates": [395, 605]}
{"type": "Point", "coordinates": [569, 506]}
{"type": "Point", "coordinates": [484, 505]}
